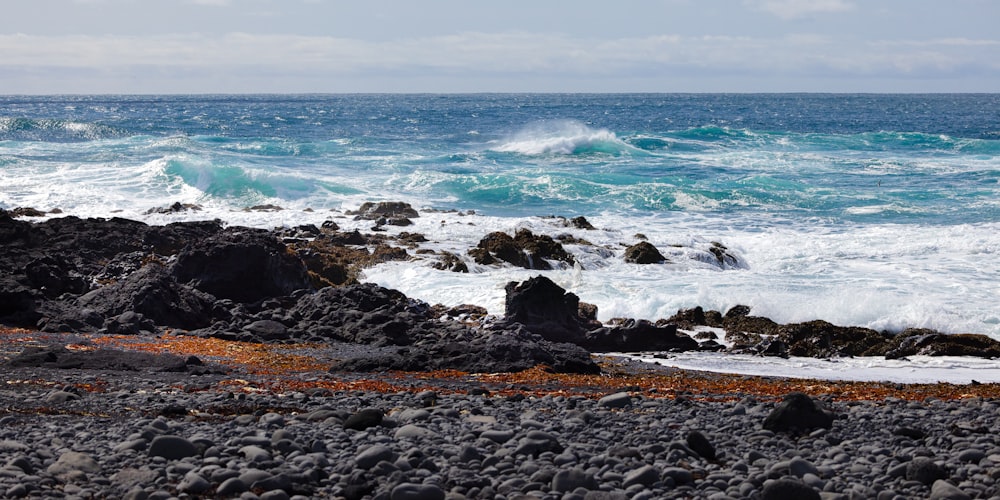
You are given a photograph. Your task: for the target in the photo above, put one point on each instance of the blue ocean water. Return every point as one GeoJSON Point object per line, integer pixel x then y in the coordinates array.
{"type": "Point", "coordinates": [877, 210]}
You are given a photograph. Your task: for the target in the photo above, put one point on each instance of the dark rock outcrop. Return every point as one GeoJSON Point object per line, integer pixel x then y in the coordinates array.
{"type": "Point", "coordinates": [393, 213]}
{"type": "Point", "coordinates": [375, 316]}
{"type": "Point", "coordinates": [524, 249]}
{"type": "Point", "coordinates": [638, 335]}
{"type": "Point", "coordinates": [243, 265]}
{"type": "Point", "coordinates": [822, 340]}
{"type": "Point", "coordinates": [931, 343]}
{"type": "Point", "coordinates": [125, 277]}
{"type": "Point", "coordinates": [151, 291]}
{"type": "Point", "coordinates": [546, 309]}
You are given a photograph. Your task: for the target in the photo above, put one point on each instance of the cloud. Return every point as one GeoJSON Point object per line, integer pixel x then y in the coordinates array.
{"type": "Point", "coordinates": [477, 58]}
{"type": "Point", "coordinates": [794, 9]}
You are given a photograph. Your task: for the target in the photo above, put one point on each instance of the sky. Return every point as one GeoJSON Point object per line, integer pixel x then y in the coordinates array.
{"type": "Point", "coordinates": [333, 46]}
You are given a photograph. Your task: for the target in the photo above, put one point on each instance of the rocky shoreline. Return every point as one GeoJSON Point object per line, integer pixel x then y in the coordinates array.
{"type": "Point", "coordinates": [300, 284]}
{"type": "Point", "coordinates": [82, 418]}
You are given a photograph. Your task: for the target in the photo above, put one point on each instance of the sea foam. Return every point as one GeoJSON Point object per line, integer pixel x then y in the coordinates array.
{"type": "Point", "coordinates": [563, 137]}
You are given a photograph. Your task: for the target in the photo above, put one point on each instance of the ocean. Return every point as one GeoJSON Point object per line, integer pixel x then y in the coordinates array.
{"type": "Point", "coordinates": [869, 210]}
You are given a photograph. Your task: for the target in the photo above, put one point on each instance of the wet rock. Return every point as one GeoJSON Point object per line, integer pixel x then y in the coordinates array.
{"type": "Point", "coordinates": [176, 207]}
{"type": "Point", "coordinates": [738, 320]}
{"type": "Point", "coordinates": [638, 335]}
{"type": "Point", "coordinates": [822, 339]}
{"type": "Point", "coordinates": [384, 209]}
{"type": "Point", "coordinates": [23, 212]}
{"type": "Point", "coordinates": [524, 249]}
{"type": "Point", "coordinates": [580, 222]}
{"type": "Point", "coordinates": [724, 258]}
{"type": "Point", "coordinates": [336, 259]}
{"type": "Point", "coordinates": [644, 252]}
{"type": "Point", "coordinates": [451, 262]}
{"type": "Point", "coordinates": [931, 343]}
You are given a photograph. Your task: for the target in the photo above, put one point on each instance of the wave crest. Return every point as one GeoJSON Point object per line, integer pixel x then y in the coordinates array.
{"type": "Point", "coordinates": [563, 137]}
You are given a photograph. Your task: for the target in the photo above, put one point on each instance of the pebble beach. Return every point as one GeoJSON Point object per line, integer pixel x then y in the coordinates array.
{"type": "Point", "coordinates": [226, 428]}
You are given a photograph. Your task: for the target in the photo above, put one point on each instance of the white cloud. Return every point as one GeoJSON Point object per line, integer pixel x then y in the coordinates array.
{"type": "Point", "coordinates": [485, 57]}
{"type": "Point", "coordinates": [794, 9]}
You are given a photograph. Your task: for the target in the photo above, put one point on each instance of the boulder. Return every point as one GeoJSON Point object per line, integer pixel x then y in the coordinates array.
{"type": "Point", "coordinates": [798, 413]}
{"type": "Point", "coordinates": [644, 252]}
{"type": "Point", "coordinates": [546, 309]}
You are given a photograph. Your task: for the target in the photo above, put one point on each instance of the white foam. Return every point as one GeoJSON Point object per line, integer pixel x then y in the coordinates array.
{"type": "Point", "coordinates": [914, 370]}
{"type": "Point", "coordinates": [563, 137]}
{"type": "Point", "coordinates": [886, 277]}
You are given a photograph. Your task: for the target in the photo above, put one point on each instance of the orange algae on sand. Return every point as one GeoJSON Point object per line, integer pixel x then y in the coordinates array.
{"type": "Point", "coordinates": [259, 359]}
{"type": "Point", "coordinates": [298, 367]}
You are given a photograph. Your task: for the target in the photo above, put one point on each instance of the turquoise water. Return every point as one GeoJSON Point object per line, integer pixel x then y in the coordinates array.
{"type": "Point", "coordinates": [902, 158]}
{"type": "Point", "coordinates": [877, 210]}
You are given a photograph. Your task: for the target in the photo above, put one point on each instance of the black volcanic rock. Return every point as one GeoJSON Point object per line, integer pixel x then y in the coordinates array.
{"type": "Point", "coordinates": [644, 252]}
{"type": "Point", "coordinates": [931, 343]}
{"type": "Point", "coordinates": [639, 335]}
{"type": "Point", "coordinates": [546, 309]}
{"type": "Point", "coordinates": [524, 249]}
{"type": "Point", "coordinates": [99, 359]}
{"type": "Point", "coordinates": [244, 265]}
{"type": "Point", "coordinates": [411, 337]}
{"type": "Point", "coordinates": [150, 291]}
{"type": "Point", "coordinates": [822, 339]}
{"type": "Point", "coordinates": [797, 413]}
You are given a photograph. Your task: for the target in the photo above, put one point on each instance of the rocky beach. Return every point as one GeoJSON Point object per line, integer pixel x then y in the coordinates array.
{"type": "Point", "coordinates": [199, 360]}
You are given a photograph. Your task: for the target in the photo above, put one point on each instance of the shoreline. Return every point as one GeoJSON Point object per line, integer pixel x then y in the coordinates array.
{"type": "Point", "coordinates": [268, 401]}
{"type": "Point", "coordinates": [110, 275]}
